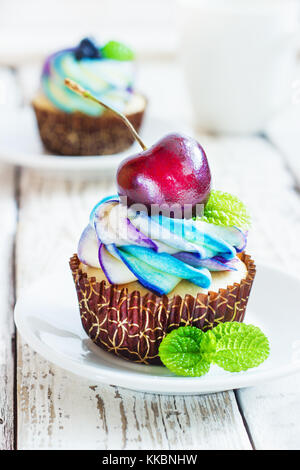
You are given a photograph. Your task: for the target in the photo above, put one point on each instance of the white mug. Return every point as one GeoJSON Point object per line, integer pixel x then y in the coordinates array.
{"type": "Point", "coordinates": [238, 57]}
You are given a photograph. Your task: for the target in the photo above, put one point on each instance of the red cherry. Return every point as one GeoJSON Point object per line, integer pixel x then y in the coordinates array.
{"type": "Point", "coordinates": [173, 171]}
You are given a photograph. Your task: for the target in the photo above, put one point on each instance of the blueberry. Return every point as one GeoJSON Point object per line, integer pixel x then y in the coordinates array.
{"type": "Point", "coordinates": [86, 49]}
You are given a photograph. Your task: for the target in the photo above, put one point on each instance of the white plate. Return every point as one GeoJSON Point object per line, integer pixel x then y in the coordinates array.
{"type": "Point", "coordinates": [20, 144]}
{"type": "Point", "coordinates": [51, 325]}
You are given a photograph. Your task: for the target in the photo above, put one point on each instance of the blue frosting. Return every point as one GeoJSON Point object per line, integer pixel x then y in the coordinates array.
{"type": "Point", "coordinates": [109, 80]}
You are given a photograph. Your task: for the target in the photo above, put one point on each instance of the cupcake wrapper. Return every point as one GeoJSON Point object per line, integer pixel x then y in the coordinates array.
{"type": "Point", "coordinates": [80, 134]}
{"type": "Point", "coordinates": [132, 326]}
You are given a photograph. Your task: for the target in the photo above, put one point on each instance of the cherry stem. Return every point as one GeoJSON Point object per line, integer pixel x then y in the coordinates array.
{"type": "Point", "coordinates": [86, 94]}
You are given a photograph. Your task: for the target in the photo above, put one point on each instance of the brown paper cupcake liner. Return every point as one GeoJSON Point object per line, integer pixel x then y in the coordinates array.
{"type": "Point", "coordinates": [80, 134]}
{"type": "Point", "coordinates": [132, 326]}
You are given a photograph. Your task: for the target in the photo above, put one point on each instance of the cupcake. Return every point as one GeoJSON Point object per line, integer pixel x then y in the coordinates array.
{"type": "Point", "coordinates": [166, 251]}
{"type": "Point", "coordinates": [70, 125]}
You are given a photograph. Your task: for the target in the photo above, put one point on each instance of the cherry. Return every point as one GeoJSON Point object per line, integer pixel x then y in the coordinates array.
{"type": "Point", "coordinates": [174, 171]}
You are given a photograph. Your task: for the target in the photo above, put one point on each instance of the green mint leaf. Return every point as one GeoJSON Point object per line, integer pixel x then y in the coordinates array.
{"type": "Point", "coordinates": [234, 346]}
{"type": "Point", "coordinates": [226, 209]}
{"type": "Point", "coordinates": [229, 328]}
{"type": "Point", "coordinates": [117, 51]}
{"type": "Point", "coordinates": [187, 351]}
{"type": "Point", "coordinates": [239, 346]}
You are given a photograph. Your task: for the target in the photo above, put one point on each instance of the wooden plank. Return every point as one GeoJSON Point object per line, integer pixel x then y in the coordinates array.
{"type": "Point", "coordinates": [53, 404]}
{"type": "Point", "coordinates": [171, 422]}
{"type": "Point", "coordinates": [7, 330]}
{"type": "Point", "coordinates": [253, 169]}
{"type": "Point", "coordinates": [272, 412]}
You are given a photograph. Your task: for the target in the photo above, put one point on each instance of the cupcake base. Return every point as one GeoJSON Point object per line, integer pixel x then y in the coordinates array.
{"type": "Point", "coordinates": [79, 134]}
{"type": "Point", "coordinates": [132, 325]}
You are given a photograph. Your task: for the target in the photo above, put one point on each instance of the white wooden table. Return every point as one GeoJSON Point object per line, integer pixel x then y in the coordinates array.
{"type": "Point", "coordinates": [45, 407]}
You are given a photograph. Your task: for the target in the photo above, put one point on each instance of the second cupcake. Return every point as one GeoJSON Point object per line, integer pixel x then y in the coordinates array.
{"type": "Point", "coordinates": [69, 124]}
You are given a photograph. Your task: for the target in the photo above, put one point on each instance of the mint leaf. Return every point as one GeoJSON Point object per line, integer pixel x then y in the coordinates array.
{"type": "Point", "coordinates": [230, 328]}
{"type": "Point", "coordinates": [187, 351]}
{"type": "Point", "coordinates": [239, 346]}
{"type": "Point", "coordinates": [234, 346]}
{"type": "Point", "coordinates": [226, 209]}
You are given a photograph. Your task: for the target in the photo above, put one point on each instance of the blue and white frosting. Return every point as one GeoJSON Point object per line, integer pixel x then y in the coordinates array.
{"type": "Point", "coordinates": [109, 80]}
{"type": "Point", "coordinates": [157, 251]}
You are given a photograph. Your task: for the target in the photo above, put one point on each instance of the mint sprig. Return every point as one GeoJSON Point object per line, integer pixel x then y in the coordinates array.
{"type": "Point", "coordinates": [233, 346]}
{"type": "Point", "coordinates": [227, 210]}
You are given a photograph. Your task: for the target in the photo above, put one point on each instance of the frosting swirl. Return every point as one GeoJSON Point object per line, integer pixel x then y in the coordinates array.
{"type": "Point", "coordinates": [155, 250]}
{"type": "Point", "coordinates": [109, 80]}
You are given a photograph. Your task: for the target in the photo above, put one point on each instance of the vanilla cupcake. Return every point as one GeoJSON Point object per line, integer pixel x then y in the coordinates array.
{"type": "Point", "coordinates": [69, 124]}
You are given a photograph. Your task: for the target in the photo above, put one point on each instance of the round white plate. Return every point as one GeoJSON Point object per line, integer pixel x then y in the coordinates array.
{"type": "Point", "coordinates": [51, 325]}
{"type": "Point", "coordinates": [20, 144]}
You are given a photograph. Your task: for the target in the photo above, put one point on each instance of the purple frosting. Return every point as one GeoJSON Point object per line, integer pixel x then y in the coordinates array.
{"type": "Point", "coordinates": [47, 63]}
